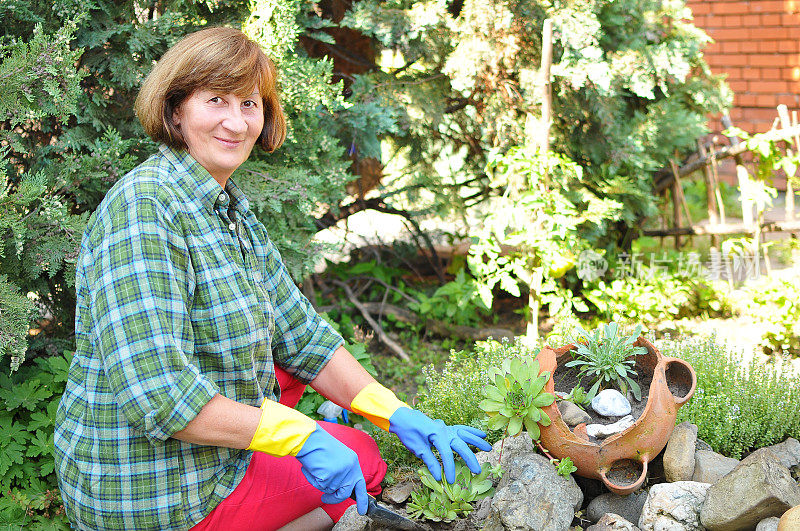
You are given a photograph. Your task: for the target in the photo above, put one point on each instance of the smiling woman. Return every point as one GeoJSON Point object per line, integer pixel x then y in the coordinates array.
{"type": "Point", "coordinates": [193, 344]}
{"type": "Point", "coordinates": [220, 129]}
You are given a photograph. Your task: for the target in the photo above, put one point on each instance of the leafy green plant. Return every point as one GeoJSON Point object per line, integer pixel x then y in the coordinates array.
{"type": "Point", "coordinates": [605, 358]}
{"type": "Point", "coordinates": [28, 401]}
{"type": "Point", "coordinates": [515, 397]}
{"type": "Point", "coordinates": [442, 502]}
{"type": "Point", "coordinates": [534, 229]}
{"type": "Point", "coordinates": [737, 407]}
{"type": "Point", "coordinates": [564, 467]}
{"type": "Point", "coordinates": [457, 301]}
{"type": "Point", "coordinates": [579, 396]}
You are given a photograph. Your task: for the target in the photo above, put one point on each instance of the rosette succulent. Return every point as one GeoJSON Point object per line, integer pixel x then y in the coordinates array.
{"type": "Point", "coordinates": [515, 396]}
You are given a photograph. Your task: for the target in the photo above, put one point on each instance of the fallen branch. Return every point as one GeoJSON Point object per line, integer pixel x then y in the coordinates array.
{"type": "Point", "coordinates": [439, 327]}
{"type": "Point", "coordinates": [382, 336]}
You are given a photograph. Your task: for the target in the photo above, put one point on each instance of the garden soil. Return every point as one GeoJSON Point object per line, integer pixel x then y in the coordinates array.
{"type": "Point", "coordinates": [565, 379]}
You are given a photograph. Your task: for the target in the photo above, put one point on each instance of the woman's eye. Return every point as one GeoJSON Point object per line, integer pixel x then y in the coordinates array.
{"type": "Point", "coordinates": [215, 99]}
{"type": "Point", "coordinates": [249, 104]}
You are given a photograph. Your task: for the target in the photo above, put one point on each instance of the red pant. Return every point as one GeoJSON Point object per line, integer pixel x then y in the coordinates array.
{"type": "Point", "coordinates": [274, 491]}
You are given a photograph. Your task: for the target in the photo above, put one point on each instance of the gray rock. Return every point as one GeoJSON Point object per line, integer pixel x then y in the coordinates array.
{"type": "Point", "coordinates": [398, 493]}
{"type": "Point", "coordinates": [532, 496]}
{"type": "Point", "coordinates": [710, 467]}
{"type": "Point", "coordinates": [628, 507]}
{"type": "Point", "coordinates": [787, 453]}
{"type": "Point", "coordinates": [673, 506]}
{"type": "Point", "coordinates": [702, 445]}
{"type": "Point", "coordinates": [612, 522]}
{"type": "Point", "coordinates": [611, 403]}
{"type": "Point", "coordinates": [482, 509]}
{"type": "Point", "coordinates": [519, 444]}
{"type": "Point", "coordinates": [679, 453]}
{"type": "Point", "coordinates": [759, 487]}
{"type": "Point", "coordinates": [601, 431]}
{"type": "Point", "coordinates": [572, 414]}
{"type": "Point", "coordinates": [352, 521]}
{"type": "Point", "coordinates": [768, 524]}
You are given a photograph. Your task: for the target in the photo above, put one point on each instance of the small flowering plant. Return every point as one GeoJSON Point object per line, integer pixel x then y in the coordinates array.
{"type": "Point", "coordinates": [515, 396]}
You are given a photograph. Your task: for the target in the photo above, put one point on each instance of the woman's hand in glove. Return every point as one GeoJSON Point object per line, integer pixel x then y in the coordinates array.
{"type": "Point", "coordinates": [333, 468]}
{"type": "Point", "coordinates": [419, 433]}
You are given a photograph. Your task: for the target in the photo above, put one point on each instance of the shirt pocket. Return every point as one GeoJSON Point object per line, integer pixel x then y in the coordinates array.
{"type": "Point", "coordinates": [228, 316]}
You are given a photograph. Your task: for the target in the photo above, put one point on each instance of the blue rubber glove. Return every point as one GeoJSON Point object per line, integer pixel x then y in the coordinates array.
{"type": "Point", "coordinates": [333, 468]}
{"type": "Point", "coordinates": [418, 433]}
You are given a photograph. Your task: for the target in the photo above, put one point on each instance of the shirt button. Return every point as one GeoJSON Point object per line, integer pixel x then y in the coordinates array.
{"type": "Point", "coordinates": [223, 197]}
{"type": "Point", "coordinates": [232, 226]}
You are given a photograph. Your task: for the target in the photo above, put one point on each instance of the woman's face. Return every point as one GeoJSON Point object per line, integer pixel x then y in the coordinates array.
{"type": "Point", "coordinates": [220, 129]}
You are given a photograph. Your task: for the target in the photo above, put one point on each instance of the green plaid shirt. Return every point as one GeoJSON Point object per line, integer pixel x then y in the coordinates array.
{"type": "Point", "coordinates": [180, 295]}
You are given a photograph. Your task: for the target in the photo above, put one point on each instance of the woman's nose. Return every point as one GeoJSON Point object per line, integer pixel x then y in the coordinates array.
{"type": "Point", "coordinates": [234, 121]}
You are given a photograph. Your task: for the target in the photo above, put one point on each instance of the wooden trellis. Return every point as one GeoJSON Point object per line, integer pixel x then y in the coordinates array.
{"type": "Point", "coordinates": [707, 159]}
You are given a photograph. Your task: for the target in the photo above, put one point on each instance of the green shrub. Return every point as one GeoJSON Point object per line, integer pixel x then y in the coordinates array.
{"type": "Point", "coordinates": [776, 304]}
{"type": "Point", "coordinates": [655, 296]}
{"type": "Point", "coordinates": [737, 408]}
{"type": "Point", "coordinates": [453, 394]}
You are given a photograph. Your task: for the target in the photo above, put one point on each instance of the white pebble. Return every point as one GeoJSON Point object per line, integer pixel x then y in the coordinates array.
{"type": "Point", "coordinates": [600, 431]}
{"type": "Point", "coordinates": [611, 403]}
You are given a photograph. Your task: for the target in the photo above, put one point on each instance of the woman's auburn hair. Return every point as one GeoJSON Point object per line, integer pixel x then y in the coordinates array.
{"type": "Point", "coordinates": [217, 59]}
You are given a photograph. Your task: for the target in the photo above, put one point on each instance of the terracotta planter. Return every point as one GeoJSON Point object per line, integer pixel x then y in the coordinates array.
{"type": "Point", "coordinates": [620, 461]}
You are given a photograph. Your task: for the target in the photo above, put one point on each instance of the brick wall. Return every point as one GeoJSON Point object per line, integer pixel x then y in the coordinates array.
{"type": "Point", "coordinates": [758, 45]}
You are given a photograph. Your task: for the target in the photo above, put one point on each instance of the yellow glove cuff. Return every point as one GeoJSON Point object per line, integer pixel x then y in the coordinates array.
{"type": "Point", "coordinates": [376, 403]}
{"type": "Point", "coordinates": [281, 430]}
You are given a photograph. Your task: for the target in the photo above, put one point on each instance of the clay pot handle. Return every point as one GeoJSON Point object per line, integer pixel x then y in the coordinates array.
{"type": "Point", "coordinates": [679, 369]}
{"type": "Point", "coordinates": [622, 490]}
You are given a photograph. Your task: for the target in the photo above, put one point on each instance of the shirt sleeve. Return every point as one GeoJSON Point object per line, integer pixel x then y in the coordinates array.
{"type": "Point", "coordinates": [304, 342]}
{"type": "Point", "coordinates": [140, 290]}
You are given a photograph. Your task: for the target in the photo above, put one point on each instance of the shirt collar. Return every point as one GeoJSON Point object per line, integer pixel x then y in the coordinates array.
{"type": "Point", "coordinates": [239, 201]}
{"type": "Point", "coordinates": [196, 180]}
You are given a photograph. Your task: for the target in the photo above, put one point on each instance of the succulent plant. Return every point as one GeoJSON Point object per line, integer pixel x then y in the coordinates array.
{"type": "Point", "coordinates": [564, 467]}
{"type": "Point", "coordinates": [443, 502]}
{"type": "Point", "coordinates": [515, 396]}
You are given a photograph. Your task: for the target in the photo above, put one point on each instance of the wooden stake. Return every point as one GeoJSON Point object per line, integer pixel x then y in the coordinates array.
{"type": "Point", "coordinates": [783, 114]}
{"type": "Point", "coordinates": [717, 192]}
{"type": "Point", "coordinates": [741, 174]}
{"type": "Point", "coordinates": [544, 79]}
{"type": "Point", "coordinates": [532, 332]}
{"type": "Point", "coordinates": [676, 212]}
{"type": "Point", "coordinates": [711, 199]}
{"type": "Point", "coordinates": [681, 197]}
